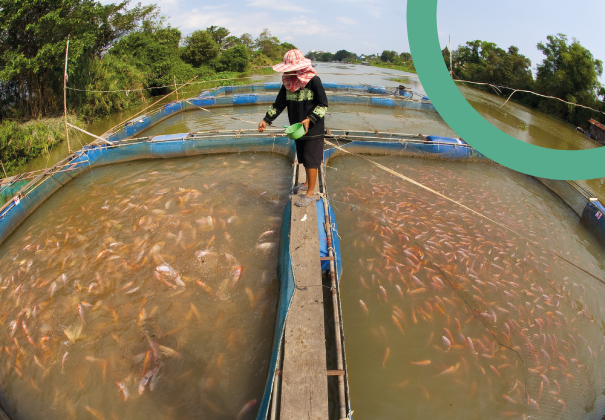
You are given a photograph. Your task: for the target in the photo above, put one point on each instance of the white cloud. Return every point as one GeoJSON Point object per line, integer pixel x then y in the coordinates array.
{"type": "Point", "coordinates": [346, 20]}
{"type": "Point", "coordinates": [300, 26]}
{"type": "Point", "coordinates": [276, 5]}
{"type": "Point", "coordinates": [373, 11]}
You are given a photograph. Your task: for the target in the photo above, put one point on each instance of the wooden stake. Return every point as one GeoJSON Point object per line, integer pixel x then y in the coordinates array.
{"type": "Point", "coordinates": [65, 95]}
{"type": "Point", "coordinates": [3, 170]}
{"type": "Point", "coordinates": [176, 91]}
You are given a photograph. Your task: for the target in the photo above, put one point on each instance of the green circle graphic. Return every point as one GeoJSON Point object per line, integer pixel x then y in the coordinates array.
{"type": "Point", "coordinates": [471, 126]}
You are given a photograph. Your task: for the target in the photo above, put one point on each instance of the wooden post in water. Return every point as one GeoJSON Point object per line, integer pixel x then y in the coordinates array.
{"type": "Point", "coordinates": [65, 96]}
{"type": "Point", "coordinates": [177, 92]}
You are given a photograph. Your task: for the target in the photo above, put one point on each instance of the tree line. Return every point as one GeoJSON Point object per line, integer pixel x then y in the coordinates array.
{"type": "Point", "coordinates": [568, 71]}
{"type": "Point", "coordinates": [111, 47]}
{"type": "Point", "coordinates": [351, 57]}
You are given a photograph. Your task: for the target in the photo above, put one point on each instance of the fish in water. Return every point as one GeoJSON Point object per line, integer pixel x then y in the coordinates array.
{"type": "Point", "coordinates": [446, 342]}
{"type": "Point", "coordinates": [131, 277]}
{"type": "Point", "coordinates": [246, 410]}
{"type": "Point", "coordinates": [266, 246]}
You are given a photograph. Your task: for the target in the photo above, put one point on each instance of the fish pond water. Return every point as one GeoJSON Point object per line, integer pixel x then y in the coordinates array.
{"type": "Point", "coordinates": [450, 314]}
{"type": "Point", "coordinates": [145, 290]}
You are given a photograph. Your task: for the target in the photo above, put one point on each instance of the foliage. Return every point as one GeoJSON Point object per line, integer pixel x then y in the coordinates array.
{"type": "Point", "coordinates": [247, 41]}
{"type": "Point", "coordinates": [344, 55]}
{"type": "Point", "coordinates": [323, 56]}
{"type": "Point", "coordinates": [200, 48]}
{"type": "Point", "coordinates": [484, 62]}
{"type": "Point", "coordinates": [389, 56]}
{"type": "Point", "coordinates": [33, 35]}
{"type": "Point", "coordinates": [233, 59]}
{"type": "Point", "coordinates": [261, 60]}
{"type": "Point", "coordinates": [109, 73]}
{"type": "Point", "coordinates": [21, 142]}
{"type": "Point", "coordinates": [405, 56]}
{"type": "Point", "coordinates": [268, 45]}
{"type": "Point", "coordinates": [407, 67]}
{"type": "Point", "coordinates": [570, 72]}
{"type": "Point", "coordinates": [286, 46]}
{"type": "Point", "coordinates": [219, 34]}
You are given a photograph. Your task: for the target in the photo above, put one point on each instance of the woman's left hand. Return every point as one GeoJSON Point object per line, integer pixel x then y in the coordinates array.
{"type": "Point", "coordinates": [306, 123]}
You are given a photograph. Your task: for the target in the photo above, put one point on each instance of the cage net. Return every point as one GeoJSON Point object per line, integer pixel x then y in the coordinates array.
{"type": "Point", "coordinates": [497, 315]}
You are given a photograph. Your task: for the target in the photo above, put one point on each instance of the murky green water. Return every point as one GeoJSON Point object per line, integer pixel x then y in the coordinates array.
{"type": "Point", "coordinates": [145, 290]}
{"type": "Point", "coordinates": [448, 314]}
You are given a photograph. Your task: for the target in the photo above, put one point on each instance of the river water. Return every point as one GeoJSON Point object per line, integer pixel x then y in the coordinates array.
{"type": "Point", "coordinates": [145, 290]}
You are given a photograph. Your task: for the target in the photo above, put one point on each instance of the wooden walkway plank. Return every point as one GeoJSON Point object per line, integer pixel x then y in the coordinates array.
{"type": "Point", "coordinates": [304, 389]}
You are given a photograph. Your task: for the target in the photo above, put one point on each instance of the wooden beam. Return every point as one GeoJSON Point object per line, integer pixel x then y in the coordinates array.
{"type": "Point", "coordinates": [304, 390]}
{"type": "Point", "coordinates": [336, 372]}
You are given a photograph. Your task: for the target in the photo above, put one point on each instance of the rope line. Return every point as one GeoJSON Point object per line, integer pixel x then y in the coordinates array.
{"type": "Point", "coordinates": [230, 78]}
{"type": "Point", "coordinates": [451, 200]}
{"type": "Point", "coordinates": [528, 91]}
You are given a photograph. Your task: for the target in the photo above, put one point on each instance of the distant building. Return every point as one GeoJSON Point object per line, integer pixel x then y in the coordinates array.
{"type": "Point", "coordinates": [597, 131]}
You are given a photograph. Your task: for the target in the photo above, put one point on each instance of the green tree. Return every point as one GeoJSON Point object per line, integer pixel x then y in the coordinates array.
{"type": "Point", "coordinates": [231, 41]}
{"type": "Point", "coordinates": [153, 49]}
{"type": "Point", "coordinates": [344, 55]}
{"type": "Point", "coordinates": [33, 34]}
{"type": "Point", "coordinates": [388, 56]}
{"type": "Point", "coordinates": [200, 48]}
{"type": "Point", "coordinates": [219, 34]}
{"type": "Point", "coordinates": [570, 72]}
{"type": "Point", "coordinates": [481, 61]}
{"type": "Point", "coordinates": [234, 59]}
{"type": "Point", "coordinates": [406, 56]}
{"type": "Point", "coordinates": [247, 41]}
{"type": "Point", "coordinates": [325, 57]}
{"type": "Point", "coordinates": [268, 45]}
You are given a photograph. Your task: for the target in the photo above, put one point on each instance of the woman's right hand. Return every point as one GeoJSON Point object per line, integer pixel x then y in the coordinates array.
{"type": "Point", "coordinates": [261, 126]}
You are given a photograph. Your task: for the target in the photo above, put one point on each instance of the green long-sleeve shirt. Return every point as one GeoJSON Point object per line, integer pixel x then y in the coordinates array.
{"type": "Point", "coordinates": [310, 102]}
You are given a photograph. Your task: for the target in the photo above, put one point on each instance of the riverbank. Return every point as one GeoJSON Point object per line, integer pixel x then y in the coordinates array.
{"type": "Point", "coordinates": [21, 142]}
{"type": "Point", "coordinates": [401, 67]}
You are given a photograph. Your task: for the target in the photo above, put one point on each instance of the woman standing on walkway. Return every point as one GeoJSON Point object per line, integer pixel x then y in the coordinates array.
{"type": "Point", "coordinates": [303, 93]}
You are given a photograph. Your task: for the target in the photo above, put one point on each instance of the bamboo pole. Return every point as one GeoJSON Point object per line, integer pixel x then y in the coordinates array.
{"type": "Point", "coordinates": [65, 96]}
{"type": "Point", "coordinates": [3, 170]}
{"type": "Point", "coordinates": [143, 110]}
{"type": "Point", "coordinates": [342, 403]}
{"type": "Point", "coordinates": [90, 134]}
{"type": "Point", "coordinates": [177, 93]}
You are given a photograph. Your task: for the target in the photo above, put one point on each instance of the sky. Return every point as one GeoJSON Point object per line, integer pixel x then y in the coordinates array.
{"type": "Point", "coordinates": [371, 26]}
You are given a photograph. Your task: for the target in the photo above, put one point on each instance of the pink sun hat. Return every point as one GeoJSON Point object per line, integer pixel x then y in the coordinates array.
{"type": "Point", "coordinates": [293, 60]}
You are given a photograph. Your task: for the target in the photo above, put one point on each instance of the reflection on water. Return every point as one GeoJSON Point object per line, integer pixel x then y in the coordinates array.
{"type": "Point", "coordinates": [450, 315]}
{"type": "Point", "coordinates": [145, 290]}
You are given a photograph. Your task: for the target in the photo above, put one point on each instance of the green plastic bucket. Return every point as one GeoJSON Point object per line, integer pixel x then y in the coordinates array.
{"type": "Point", "coordinates": [295, 131]}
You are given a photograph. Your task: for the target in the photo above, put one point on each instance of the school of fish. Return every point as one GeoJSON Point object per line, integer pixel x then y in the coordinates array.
{"type": "Point", "coordinates": [448, 314]}
{"type": "Point", "coordinates": [145, 290]}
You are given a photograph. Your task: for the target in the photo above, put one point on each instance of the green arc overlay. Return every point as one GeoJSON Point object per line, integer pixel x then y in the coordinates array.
{"type": "Point", "coordinates": [471, 126]}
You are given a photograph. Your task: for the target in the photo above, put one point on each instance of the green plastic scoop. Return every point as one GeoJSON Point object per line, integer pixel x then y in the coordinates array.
{"type": "Point", "coordinates": [295, 131]}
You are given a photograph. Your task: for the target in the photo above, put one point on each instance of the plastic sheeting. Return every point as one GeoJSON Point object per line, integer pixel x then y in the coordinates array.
{"type": "Point", "coordinates": [323, 237]}
{"type": "Point", "coordinates": [286, 291]}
